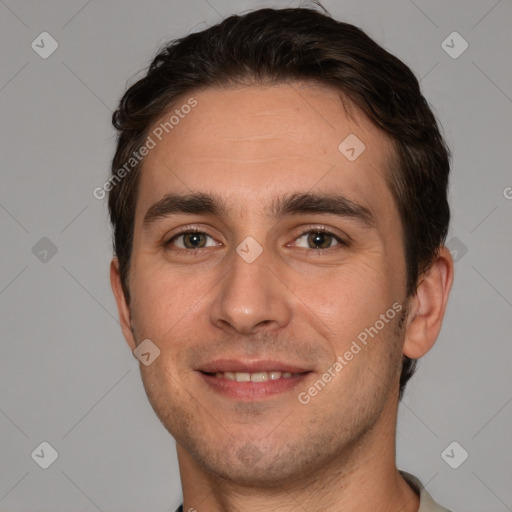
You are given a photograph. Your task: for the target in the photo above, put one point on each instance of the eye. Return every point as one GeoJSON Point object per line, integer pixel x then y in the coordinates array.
{"type": "Point", "coordinates": [318, 239]}
{"type": "Point", "coordinates": [191, 240]}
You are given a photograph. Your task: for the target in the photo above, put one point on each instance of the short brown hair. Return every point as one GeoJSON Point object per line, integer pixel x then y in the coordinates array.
{"type": "Point", "coordinates": [286, 45]}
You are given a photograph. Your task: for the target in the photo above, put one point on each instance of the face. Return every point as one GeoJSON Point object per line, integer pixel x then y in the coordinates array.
{"type": "Point", "coordinates": [273, 283]}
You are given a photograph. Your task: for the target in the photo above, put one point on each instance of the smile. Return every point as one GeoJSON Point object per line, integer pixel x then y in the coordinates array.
{"type": "Point", "coordinates": [255, 377]}
{"type": "Point", "coordinates": [251, 380]}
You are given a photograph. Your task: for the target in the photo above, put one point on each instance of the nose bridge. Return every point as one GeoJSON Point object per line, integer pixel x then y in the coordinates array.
{"type": "Point", "coordinates": [250, 298]}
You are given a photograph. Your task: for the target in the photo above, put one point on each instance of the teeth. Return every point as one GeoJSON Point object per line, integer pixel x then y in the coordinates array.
{"type": "Point", "coordinates": [259, 377]}
{"type": "Point", "coordinates": [254, 377]}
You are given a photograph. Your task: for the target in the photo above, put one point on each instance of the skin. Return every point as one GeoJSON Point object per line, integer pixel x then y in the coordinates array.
{"type": "Point", "coordinates": [294, 303]}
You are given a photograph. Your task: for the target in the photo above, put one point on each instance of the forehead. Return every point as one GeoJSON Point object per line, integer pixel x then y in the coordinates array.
{"type": "Point", "coordinates": [249, 143]}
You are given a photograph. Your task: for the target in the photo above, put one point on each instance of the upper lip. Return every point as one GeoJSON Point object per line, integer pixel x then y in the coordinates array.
{"type": "Point", "coordinates": [248, 366]}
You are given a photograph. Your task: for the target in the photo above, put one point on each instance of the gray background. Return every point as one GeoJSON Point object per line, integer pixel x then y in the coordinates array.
{"type": "Point", "coordinates": [66, 374]}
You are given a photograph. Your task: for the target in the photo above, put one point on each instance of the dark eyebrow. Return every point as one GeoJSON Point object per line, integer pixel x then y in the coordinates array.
{"type": "Point", "coordinates": [322, 203]}
{"type": "Point", "coordinates": [295, 204]}
{"type": "Point", "coordinates": [196, 203]}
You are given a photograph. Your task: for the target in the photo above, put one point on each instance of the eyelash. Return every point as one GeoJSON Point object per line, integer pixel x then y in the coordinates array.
{"type": "Point", "coordinates": [186, 231]}
{"type": "Point", "coordinates": [312, 229]}
{"type": "Point", "coordinates": [325, 231]}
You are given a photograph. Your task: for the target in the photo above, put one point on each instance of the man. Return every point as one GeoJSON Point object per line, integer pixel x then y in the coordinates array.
{"type": "Point", "coordinates": [278, 199]}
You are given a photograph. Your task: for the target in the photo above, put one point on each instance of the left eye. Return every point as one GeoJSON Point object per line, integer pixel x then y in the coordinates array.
{"type": "Point", "coordinates": [191, 240]}
{"type": "Point", "coordinates": [317, 240]}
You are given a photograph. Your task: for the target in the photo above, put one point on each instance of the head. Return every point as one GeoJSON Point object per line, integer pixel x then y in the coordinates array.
{"type": "Point", "coordinates": [242, 125]}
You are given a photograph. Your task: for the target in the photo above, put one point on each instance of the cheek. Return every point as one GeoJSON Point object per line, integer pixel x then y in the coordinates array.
{"type": "Point", "coordinates": [351, 307]}
{"type": "Point", "coordinates": [165, 391]}
{"type": "Point", "coordinates": [160, 302]}
{"type": "Point", "coordinates": [350, 297]}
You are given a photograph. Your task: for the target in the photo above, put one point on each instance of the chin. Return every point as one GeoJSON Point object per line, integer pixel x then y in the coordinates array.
{"type": "Point", "coordinates": [255, 464]}
{"type": "Point", "coordinates": [269, 471]}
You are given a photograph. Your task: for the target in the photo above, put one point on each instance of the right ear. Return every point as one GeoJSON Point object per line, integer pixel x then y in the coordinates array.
{"type": "Point", "coordinates": [122, 305]}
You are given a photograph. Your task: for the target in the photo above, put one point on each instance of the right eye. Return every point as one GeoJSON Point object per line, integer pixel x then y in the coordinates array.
{"type": "Point", "coordinates": [190, 240]}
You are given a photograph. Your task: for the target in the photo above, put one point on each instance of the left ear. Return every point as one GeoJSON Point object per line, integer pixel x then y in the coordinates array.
{"type": "Point", "coordinates": [428, 306]}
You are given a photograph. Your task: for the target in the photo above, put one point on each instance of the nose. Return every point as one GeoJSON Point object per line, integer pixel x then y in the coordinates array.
{"type": "Point", "coordinates": [251, 297]}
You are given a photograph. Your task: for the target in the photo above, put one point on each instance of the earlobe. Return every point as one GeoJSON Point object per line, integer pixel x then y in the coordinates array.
{"type": "Point", "coordinates": [428, 306]}
{"type": "Point", "coordinates": [122, 306]}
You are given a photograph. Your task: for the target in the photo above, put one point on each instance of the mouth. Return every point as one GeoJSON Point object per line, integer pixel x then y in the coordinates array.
{"type": "Point", "coordinates": [251, 380]}
{"type": "Point", "coordinates": [255, 376]}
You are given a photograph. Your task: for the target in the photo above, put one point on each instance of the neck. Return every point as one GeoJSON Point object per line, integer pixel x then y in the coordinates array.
{"type": "Point", "coordinates": [363, 477]}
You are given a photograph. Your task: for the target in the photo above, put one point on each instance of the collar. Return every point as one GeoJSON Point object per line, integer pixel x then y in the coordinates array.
{"type": "Point", "coordinates": [427, 504]}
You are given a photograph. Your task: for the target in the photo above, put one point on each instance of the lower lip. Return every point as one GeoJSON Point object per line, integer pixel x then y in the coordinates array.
{"type": "Point", "coordinates": [253, 390]}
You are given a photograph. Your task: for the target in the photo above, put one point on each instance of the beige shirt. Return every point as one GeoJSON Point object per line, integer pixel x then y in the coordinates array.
{"type": "Point", "coordinates": [427, 504]}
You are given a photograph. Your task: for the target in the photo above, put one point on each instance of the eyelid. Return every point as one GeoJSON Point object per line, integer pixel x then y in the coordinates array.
{"type": "Point", "coordinates": [183, 230]}
{"type": "Point", "coordinates": [343, 239]}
